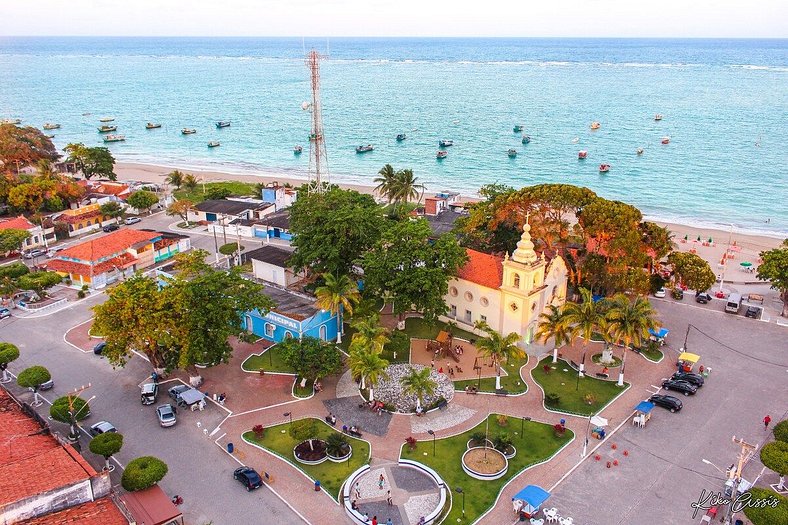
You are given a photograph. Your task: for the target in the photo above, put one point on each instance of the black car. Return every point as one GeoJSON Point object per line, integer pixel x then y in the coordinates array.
{"type": "Point", "coordinates": [110, 227]}
{"type": "Point", "coordinates": [671, 403]}
{"type": "Point", "coordinates": [702, 297]}
{"type": "Point", "coordinates": [176, 391]}
{"type": "Point", "coordinates": [248, 477]}
{"type": "Point", "coordinates": [693, 379]}
{"type": "Point", "coordinates": [99, 348]}
{"type": "Point", "coordinates": [752, 311]}
{"type": "Point", "coordinates": [679, 386]}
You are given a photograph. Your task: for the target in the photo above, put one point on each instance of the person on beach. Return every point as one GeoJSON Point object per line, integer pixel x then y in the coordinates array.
{"type": "Point", "coordinates": [766, 421]}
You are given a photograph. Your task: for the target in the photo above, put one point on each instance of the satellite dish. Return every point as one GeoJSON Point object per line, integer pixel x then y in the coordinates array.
{"type": "Point", "coordinates": [304, 105]}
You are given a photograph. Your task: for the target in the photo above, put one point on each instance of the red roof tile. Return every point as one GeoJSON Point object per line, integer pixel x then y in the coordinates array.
{"type": "Point", "coordinates": [17, 223]}
{"type": "Point", "coordinates": [112, 244]}
{"type": "Point", "coordinates": [124, 260]}
{"type": "Point", "coordinates": [100, 512]}
{"type": "Point", "coordinates": [483, 269]}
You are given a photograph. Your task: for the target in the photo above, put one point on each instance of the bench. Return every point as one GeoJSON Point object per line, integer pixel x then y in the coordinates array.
{"type": "Point", "coordinates": [354, 434]}
{"type": "Point", "coordinates": [602, 376]}
{"type": "Point", "coordinates": [501, 392]}
{"type": "Point", "coordinates": [443, 404]}
{"type": "Point", "coordinates": [471, 390]}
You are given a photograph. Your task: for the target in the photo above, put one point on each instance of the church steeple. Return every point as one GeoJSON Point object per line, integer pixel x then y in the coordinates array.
{"type": "Point", "coordinates": [525, 253]}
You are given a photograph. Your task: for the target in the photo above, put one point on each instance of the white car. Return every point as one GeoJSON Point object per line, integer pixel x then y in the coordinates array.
{"type": "Point", "coordinates": [166, 415]}
{"type": "Point", "coordinates": [132, 220]}
{"type": "Point", "coordinates": [660, 293]}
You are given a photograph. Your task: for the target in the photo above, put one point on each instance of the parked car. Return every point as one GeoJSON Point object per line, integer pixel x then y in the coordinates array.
{"type": "Point", "coordinates": [673, 404]}
{"type": "Point", "coordinates": [46, 386]}
{"type": "Point", "coordinates": [702, 297]}
{"type": "Point", "coordinates": [110, 227]}
{"type": "Point", "coordinates": [132, 220]}
{"type": "Point", "coordinates": [35, 252]}
{"type": "Point", "coordinates": [166, 415]}
{"type": "Point", "coordinates": [689, 377]}
{"type": "Point", "coordinates": [148, 393]}
{"type": "Point", "coordinates": [176, 391]}
{"type": "Point", "coordinates": [752, 311]}
{"type": "Point", "coordinates": [660, 293]}
{"type": "Point", "coordinates": [679, 386]}
{"type": "Point", "coordinates": [102, 427]}
{"type": "Point", "coordinates": [99, 348]}
{"type": "Point", "coordinates": [248, 477]}
{"type": "Point", "coordinates": [5, 312]}
{"type": "Point", "coordinates": [53, 251]}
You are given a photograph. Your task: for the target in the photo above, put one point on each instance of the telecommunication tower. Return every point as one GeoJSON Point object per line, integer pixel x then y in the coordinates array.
{"type": "Point", "coordinates": [318, 163]}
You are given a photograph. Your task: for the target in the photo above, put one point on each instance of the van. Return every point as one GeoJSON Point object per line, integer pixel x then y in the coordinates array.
{"type": "Point", "coordinates": [148, 393]}
{"type": "Point", "coordinates": [733, 304]}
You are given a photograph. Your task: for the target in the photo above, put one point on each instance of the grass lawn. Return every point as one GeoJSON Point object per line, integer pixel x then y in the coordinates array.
{"type": "Point", "coordinates": [237, 188]}
{"type": "Point", "coordinates": [652, 353]}
{"type": "Point", "coordinates": [302, 392]}
{"type": "Point", "coordinates": [331, 475]}
{"type": "Point", "coordinates": [565, 383]}
{"type": "Point", "coordinates": [270, 361]}
{"type": "Point", "coordinates": [512, 382]}
{"type": "Point", "coordinates": [537, 443]}
{"type": "Point", "coordinates": [420, 329]}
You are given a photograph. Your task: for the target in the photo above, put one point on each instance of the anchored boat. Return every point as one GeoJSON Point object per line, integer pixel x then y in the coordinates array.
{"type": "Point", "coordinates": [13, 121]}
{"type": "Point", "coordinates": [114, 138]}
{"type": "Point", "coordinates": [107, 119]}
{"type": "Point", "coordinates": [214, 144]}
{"type": "Point", "coordinates": [518, 128]}
{"type": "Point", "coordinates": [442, 154]}
{"type": "Point", "coordinates": [107, 129]}
{"type": "Point", "coordinates": [297, 150]}
{"type": "Point", "coordinates": [604, 168]}
{"type": "Point", "coordinates": [152, 125]}
{"type": "Point", "coordinates": [188, 131]}
{"type": "Point", "coordinates": [51, 126]}
{"type": "Point", "coordinates": [223, 124]}
{"type": "Point", "coordinates": [639, 151]}
{"type": "Point", "coordinates": [364, 149]}
{"type": "Point", "coordinates": [658, 117]}
{"type": "Point", "coordinates": [666, 140]}
{"type": "Point", "coordinates": [401, 137]}
{"type": "Point", "coordinates": [445, 143]}
{"type": "Point", "coordinates": [582, 154]}
{"type": "Point", "coordinates": [526, 139]}
{"type": "Point", "coordinates": [512, 153]}
{"type": "Point", "coordinates": [595, 125]}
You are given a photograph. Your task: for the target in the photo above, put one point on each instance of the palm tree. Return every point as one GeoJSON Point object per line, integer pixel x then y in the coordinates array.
{"type": "Point", "coordinates": [419, 383]}
{"type": "Point", "coordinates": [46, 170]}
{"type": "Point", "coordinates": [498, 348]}
{"type": "Point", "coordinates": [189, 181]}
{"type": "Point", "coordinates": [367, 365]}
{"type": "Point", "coordinates": [386, 182]}
{"type": "Point", "coordinates": [584, 319]}
{"type": "Point", "coordinates": [175, 178]}
{"type": "Point", "coordinates": [338, 295]}
{"type": "Point", "coordinates": [369, 333]}
{"type": "Point", "coordinates": [552, 326]}
{"type": "Point", "coordinates": [406, 187]}
{"type": "Point", "coordinates": [629, 322]}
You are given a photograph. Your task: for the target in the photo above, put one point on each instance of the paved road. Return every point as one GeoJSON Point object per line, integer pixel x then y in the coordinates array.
{"type": "Point", "coordinates": [199, 470]}
{"type": "Point", "coordinates": [663, 473]}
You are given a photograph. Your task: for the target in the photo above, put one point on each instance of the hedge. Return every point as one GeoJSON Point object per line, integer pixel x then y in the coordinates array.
{"type": "Point", "coordinates": [142, 473]}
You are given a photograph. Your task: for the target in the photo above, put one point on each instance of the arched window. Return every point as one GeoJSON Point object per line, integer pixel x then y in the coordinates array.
{"type": "Point", "coordinates": [269, 329]}
{"type": "Point", "coordinates": [516, 280]}
{"type": "Point", "coordinates": [288, 335]}
{"type": "Point", "coordinates": [249, 324]}
{"type": "Point", "coordinates": [323, 333]}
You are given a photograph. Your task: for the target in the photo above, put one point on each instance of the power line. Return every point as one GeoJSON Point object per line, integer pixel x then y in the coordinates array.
{"type": "Point", "coordinates": [765, 361]}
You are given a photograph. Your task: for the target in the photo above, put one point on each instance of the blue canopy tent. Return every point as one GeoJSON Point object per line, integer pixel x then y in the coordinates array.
{"type": "Point", "coordinates": [659, 336]}
{"type": "Point", "coordinates": [532, 498]}
{"type": "Point", "coordinates": [645, 407]}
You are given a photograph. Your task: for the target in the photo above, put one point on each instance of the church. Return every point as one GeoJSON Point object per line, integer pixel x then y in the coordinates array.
{"type": "Point", "coordinates": [509, 292]}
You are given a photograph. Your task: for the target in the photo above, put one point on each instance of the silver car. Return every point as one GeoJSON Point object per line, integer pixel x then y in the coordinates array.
{"type": "Point", "coordinates": [166, 415]}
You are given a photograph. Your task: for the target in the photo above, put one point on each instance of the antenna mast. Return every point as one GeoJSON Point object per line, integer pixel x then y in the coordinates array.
{"type": "Point", "coordinates": [318, 162]}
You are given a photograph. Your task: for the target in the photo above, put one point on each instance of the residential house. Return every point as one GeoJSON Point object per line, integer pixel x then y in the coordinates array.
{"type": "Point", "coordinates": [269, 264]}
{"type": "Point", "coordinates": [104, 260]}
{"type": "Point", "coordinates": [38, 236]}
{"type": "Point", "coordinates": [224, 211]}
{"type": "Point", "coordinates": [102, 192]}
{"type": "Point", "coordinates": [81, 220]}
{"type": "Point", "coordinates": [279, 196]}
{"type": "Point", "coordinates": [151, 506]}
{"type": "Point", "coordinates": [509, 293]}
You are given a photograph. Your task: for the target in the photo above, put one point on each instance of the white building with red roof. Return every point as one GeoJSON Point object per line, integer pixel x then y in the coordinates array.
{"type": "Point", "coordinates": [509, 292]}
{"type": "Point", "coordinates": [38, 237]}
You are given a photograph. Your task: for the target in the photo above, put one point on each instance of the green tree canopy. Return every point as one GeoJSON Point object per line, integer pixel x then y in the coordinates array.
{"type": "Point", "coordinates": [774, 456]}
{"type": "Point", "coordinates": [91, 162]}
{"type": "Point", "coordinates": [419, 383]}
{"type": "Point", "coordinates": [630, 321]}
{"type": "Point", "coordinates": [181, 208]}
{"type": "Point", "coordinates": [33, 377]}
{"type": "Point", "coordinates": [311, 358]}
{"type": "Point", "coordinates": [69, 409]}
{"type": "Point", "coordinates": [499, 348]}
{"type": "Point", "coordinates": [773, 507]}
{"type": "Point", "coordinates": [337, 295]}
{"type": "Point", "coordinates": [231, 248]}
{"type": "Point", "coordinates": [8, 352]}
{"type": "Point", "coordinates": [189, 182]}
{"type": "Point", "coordinates": [27, 197]}
{"type": "Point", "coordinates": [333, 229]}
{"type": "Point", "coordinates": [175, 178]}
{"type": "Point", "coordinates": [774, 269]}
{"type": "Point", "coordinates": [552, 326]}
{"type": "Point", "coordinates": [24, 146]}
{"type": "Point", "coordinates": [107, 445]}
{"type": "Point", "coordinates": [112, 210]}
{"type": "Point", "coordinates": [366, 364]}
{"type": "Point", "coordinates": [780, 430]}
{"type": "Point", "coordinates": [39, 281]}
{"type": "Point", "coordinates": [692, 270]}
{"type": "Point", "coordinates": [142, 473]}
{"type": "Point", "coordinates": [414, 268]}
{"type": "Point", "coordinates": [143, 200]}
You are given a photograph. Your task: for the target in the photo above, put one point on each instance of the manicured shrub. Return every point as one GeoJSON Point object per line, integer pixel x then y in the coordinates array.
{"type": "Point", "coordinates": [303, 429]}
{"type": "Point", "coordinates": [502, 442]}
{"type": "Point", "coordinates": [765, 507]}
{"type": "Point", "coordinates": [33, 377]}
{"type": "Point", "coordinates": [552, 399]}
{"type": "Point", "coordinates": [230, 248]}
{"type": "Point", "coordinates": [411, 441]}
{"type": "Point", "coordinates": [142, 473]}
{"type": "Point", "coordinates": [780, 431]}
{"type": "Point", "coordinates": [259, 431]}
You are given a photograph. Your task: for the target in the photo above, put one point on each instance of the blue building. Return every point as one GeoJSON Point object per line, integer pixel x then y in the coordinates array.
{"type": "Point", "coordinates": [295, 315]}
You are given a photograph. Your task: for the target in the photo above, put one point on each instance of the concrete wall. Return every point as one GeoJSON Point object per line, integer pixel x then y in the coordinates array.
{"type": "Point", "coordinates": [47, 502]}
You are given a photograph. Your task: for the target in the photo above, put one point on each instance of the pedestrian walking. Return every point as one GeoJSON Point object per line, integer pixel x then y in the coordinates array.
{"type": "Point", "coordinates": [432, 364]}
{"type": "Point", "coordinates": [766, 421]}
{"type": "Point", "coordinates": [388, 522]}
{"type": "Point", "coordinates": [381, 481]}
{"type": "Point", "coordinates": [358, 490]}
{"type": "Point", "coordinates": [388, 498]}
{"type": "Point", "coordinates": [374, 520]}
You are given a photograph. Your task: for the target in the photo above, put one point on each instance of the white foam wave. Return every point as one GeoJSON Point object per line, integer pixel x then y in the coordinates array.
{"type": "Point", "coordinates": [759, 68]}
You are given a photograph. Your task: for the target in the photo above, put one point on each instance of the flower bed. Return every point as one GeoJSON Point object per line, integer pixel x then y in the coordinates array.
{"type": "Point", "coordinates": [390, 390]}
{"type": "Point", "coordinates": [311, 452]}
{"type": "Point", "coordinates": [347, 452]}
{"type": "Point", "coordinates": [484, 463]}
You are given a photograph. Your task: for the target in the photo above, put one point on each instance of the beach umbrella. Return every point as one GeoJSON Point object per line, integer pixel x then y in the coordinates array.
{"type": "Point", "coordinates": [746, 264]}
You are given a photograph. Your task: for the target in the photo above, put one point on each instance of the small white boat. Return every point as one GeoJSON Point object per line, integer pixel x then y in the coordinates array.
{"type": "Point", "coordinates": [107, 119]}
{"type": "Point", "coordinates": [152, 125]}
{"type": "Point", "coordinates": [595, 125]}
{"type": "Point", "coordinates": [223, 124]}
{"type": "Point", "coordinates": [639, 151]}
{"type": "Point", "coordinates": [666, 140]}
{"type": "Point", "coordinates": [297, 150]}
{"type": "Point", "coordinates": [442, 154]}
{"type": "Point", "coordinates": [51, 126]}
{"type": "Point", "coordinates": [214, 144]}
{"type": "Point", "coordinates": [604, 168]}
{"type": "Point", "coordinates": [114, 138]}
{"type": "Point", "coordinates": [445, 143]}
{"type": "Point", "coordinates": [188, 131]}
{"type": "Point", "coordinates": [107, 129]}
{"type": "Point", "coordinates": [658, 117]}
{"type": "Point", "coordinates": [365, 149]}
{"type": "Point", "coordinates": [582, 154]}
{"type": "Point", "coordinates": [13, 121]}
{"type": "Point", "coordinates": [512, 153]}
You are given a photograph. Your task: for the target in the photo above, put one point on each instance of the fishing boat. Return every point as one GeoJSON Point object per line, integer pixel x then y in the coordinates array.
{"type": "Point", "coordinates": [658, 117]}
{"type": "Point", "coordinates": [114, 138]}
{"type": "Point", "coordinates": [365, 149]}
{"type": "Point", "coordinates": [214, 144]}
{"type": "Point", "coordinates": [666, 140]}
{"type": "Point", "coordinates": [297, 150]}
{"type": "Point", "coordinates": [639, 151]}
{"type": "Point", "coordinates": [512, 153]}
{"type": "Point", "coordinates": [442, 154]}
{"type": "Point", "coordinates": [445, 143]}
{"type": "Point", "coordinates": [595, 125]}
{"type": "Point", "coordinates": [152, 125]}
{"type": "Point", "coordinates": [401, 137]}
{"type": "Point", "coordinates": [51, 126]}
{"type": "Point", "coordinates": [604, 168]}
{"type": "Point", "coordinates": [518, 128]}
{"type": "Point", "coordinates": [223, 124]}
{"type": "Point", "coordinates": [188, 131]}
{"type": "Point", "coordinates": [107, 129]}
{"type": "Point", "coordinates": [582, 154]}
{"type": "Point", "coordinates": [107, 119]}
{"type": "Point", "coordinates": [13, 121]}
{"type": "Point", "coordinates": [526, 139]}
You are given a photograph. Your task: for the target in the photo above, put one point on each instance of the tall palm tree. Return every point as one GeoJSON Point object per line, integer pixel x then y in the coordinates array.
{"type": "Point", "coordinates": [584, 319]}
{"type": "Point", "coordinates": [629, 322]}
{"type": "Point", "coordinates": [175, 178]}
{"type": "Point", "coordinates": [338, 295]}
{"type": "Point", "coordinates": [406, 187]}
{"type": "Point", "coordinates": [189, 181]}
{"type": "Point", "coordinates": [419, 383]}
{"type": "Point", "coordinates": [386, 182]}
{"type": "Point", "coordinates": [552, 326]}
{"type": "Point", "coordinates": [499, 348]}
{"type": "Point", "coordinates": [369, 332]}
{"type": "Point", "coordinates": [367, 365]}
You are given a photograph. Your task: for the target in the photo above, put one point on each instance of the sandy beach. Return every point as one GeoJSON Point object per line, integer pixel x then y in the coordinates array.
{"type": "Point", "coordinates": [746, 247]}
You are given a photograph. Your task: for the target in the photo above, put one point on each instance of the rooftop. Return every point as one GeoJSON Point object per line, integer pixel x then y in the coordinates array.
{"type": "Point", "coordinates": [16, 223]}
{"type": "Point", "coordinates": [483, 269]}
{"type": "Point", "coordinates": [231, 207]}
{"type": "Point", "coordinates": [280, 219]}
{"type": "Point", "coordinates": [106, 245]}
{"type": "Point", "coordinates": [291, 304]}
{"type": "Point", "coordinates": [443, 222]}
{"type": "Point", "coordinates": [150, 506]}
{"type": "Point", "coordinates": [271, 255]}
{"type": "Point", "coordinates": [99, 512]}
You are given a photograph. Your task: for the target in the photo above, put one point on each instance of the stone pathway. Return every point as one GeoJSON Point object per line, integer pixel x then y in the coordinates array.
{"type": "Point", "coordinates": [413, 494]}
{"type": "Point", "coordinates": [452, 415]}
{"type": "Point", "coordinates": [347, 387]}
{"type": "Point", "coordinates": [348, 413]}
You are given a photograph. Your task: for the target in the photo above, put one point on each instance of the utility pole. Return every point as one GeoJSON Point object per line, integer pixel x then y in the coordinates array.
{"type": "Point", "coordinates": [745, 454]}
{"type": "Point", "coordinates": [71, 396]}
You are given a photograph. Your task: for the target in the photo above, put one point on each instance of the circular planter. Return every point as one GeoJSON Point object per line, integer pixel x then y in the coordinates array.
{"type": "Point", "coordinates": [303, 453]}
{"type": "Point", "coordinates": [472, 444]}
{"type": "Point", "coordinates": [597, 359]}
{"type": "Point", "coordinates": [492, 467]}
{"type": "Point", "coordinates": [341, 458]}
{"type": "Point", "coordinates": [510, 452]}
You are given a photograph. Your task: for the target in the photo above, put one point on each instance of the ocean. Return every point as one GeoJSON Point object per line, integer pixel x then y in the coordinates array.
{"type": "Point", "coordinates": [724, 105]}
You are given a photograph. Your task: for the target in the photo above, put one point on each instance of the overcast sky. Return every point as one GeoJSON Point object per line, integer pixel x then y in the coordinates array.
{"type": "Point", "coordinates": [526, 18]}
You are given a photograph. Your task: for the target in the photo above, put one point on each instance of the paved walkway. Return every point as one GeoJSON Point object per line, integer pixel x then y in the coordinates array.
{"type": "Point", "coordinates": [412, 493]}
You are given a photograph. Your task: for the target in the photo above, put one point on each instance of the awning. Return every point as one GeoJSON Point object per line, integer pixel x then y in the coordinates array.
{"type": "Point", "coordinates": [690, 358]}
{"type": "Point", "coordinates": [645, 407]}
{"type": "Point", "coordinates": [598, 421]}
{"type": "Point", "coordinates": [533, 495]}
{"type": "Point", "coordinates": [662, 333]}
{"type": "Point", "coordinates": [192, 396]}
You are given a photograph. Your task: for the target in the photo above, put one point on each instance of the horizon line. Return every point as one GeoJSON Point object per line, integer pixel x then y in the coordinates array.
{"type": "Point", "coordinates": [379, 37]}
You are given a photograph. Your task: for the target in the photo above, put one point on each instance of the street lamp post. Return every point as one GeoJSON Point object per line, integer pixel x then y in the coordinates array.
{"type": "Point", "coordinates": [522, 424]}
{"type": "Point", "coordinates": [730, 475]}
{"type": "Point", "coordinates": [289, 415]}
{"type": "Point", "coordinates": [432, 433]}
{"type": "Point", "coordinates": [460, 491]}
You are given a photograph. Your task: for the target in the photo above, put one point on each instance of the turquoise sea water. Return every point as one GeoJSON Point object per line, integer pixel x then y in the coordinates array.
{"type": "Point", "coordinates": [724, 102]}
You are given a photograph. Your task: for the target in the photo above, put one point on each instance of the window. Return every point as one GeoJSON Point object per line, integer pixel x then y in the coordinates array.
{"type": "Point", "coordinates": [269, 329]}
{"type": "Point", "coordinates": [468, 316]}
{"type": "Point", "coordinates": [536, 280]}
{"type": "Point", "coordinates": [288, 335]}
{"type": "Point", "coordinates": [453, 291]}
{"type": "Point", "coordinates": [483, 318]}
{"type": "Point", "coordinates": [533, 307]}
{"type": "Point", "coordinates": [514, 307]}
{"type": "Point", "coordinates": [323, 334]}
{"type": "Point", "coordinates": [516, 280]}
{"type": "Point", "coordinates": [249, 324]}
{"type": "Point", "coordinates": [468, 296]}
{"type": "Point", "coordinates": [453, 311]}
{"type": "Point", "coordinates": [484, 301]}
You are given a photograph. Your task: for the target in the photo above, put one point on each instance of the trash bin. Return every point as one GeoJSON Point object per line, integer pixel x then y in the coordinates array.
{"type": "Point", "coordinates": [739, 522]}
{"type": "Point", "coordinates": [230, 448]}
{"type": "Point", "coordinates": [317, 486]}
